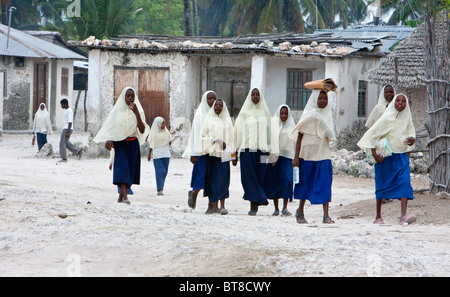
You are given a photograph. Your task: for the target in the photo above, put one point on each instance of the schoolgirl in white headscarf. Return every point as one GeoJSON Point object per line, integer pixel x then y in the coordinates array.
{"type": "Point", "coordinates": [218, 129]}
{"type": "Point", "coordinates": [123, 122]}
{"type": "Point", "coordinates": [279, 175]}
{"type": "Point", "coordinates": [314, 132]}
{"type": "Point", "coordinates": [392, 173]}
{"type": "Point", "coordinates": [218, 139]}
{"type": "Point", "coordinates": [42, 125]}
{"type": "Point", "coordinates": [124, 130]}
{"type": "Point", "coordinates": [159, 141]}
{"type": "Point", "coordinates": [252, 127]}
{"type": "Point", "coordinates": [385, 97]}
{"type": "Point", "coordinates": [194, 149]}
{"type": "Point", "coordinates": [252, 133]}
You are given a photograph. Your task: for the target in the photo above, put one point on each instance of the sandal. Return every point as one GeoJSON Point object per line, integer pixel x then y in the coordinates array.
{"type": "Point", "coordinates": [276, 213]}
{"type": "Point", "coordinates": [327, 220]}
{"type": "Point", "coordinates": [300, 217]}
{"type": "Point", "coordinates": [286, 213]}
{"type": "Point", "coordinates": [253, 209]}
{"type": "Point", "coordinates": [191, 201]}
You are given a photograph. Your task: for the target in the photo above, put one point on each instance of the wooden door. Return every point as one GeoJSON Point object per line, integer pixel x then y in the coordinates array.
{"type": "Point", "coordinates": [152, 87]}
{"type": "Point", "coordinates": [39, 85]}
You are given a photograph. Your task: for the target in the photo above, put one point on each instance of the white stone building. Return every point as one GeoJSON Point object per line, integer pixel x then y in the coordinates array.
{"type": "Point", "coordinates": [32, 71]}
{"type": "Point", "coordinates": [171, 73]}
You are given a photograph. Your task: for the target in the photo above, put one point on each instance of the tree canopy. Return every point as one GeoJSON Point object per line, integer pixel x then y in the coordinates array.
{"type": "Point", "coordinates": [79, 19]}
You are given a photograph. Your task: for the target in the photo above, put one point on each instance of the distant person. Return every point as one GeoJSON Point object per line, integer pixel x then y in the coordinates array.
{"type": "Point", "coordinates": [385, 97]}
{"type": "Point", "coordinates": [392, 173]}
{"type": "Point", "coordinates": [159, 141]}
{"type": "Point", "coordinates": [124, 130]}
{"type": "Point", "coordinates": [42, 125]}
{"type": "Point", "coordinates": [64, 142]}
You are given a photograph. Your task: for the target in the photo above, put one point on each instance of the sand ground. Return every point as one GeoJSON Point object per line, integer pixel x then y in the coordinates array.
{"type": "Point", "coordinates": [63, 220]}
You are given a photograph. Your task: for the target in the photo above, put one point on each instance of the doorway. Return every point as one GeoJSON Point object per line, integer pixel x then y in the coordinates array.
{"type": "Point", "coordinates": [39, 85]}
{"type": "Point", "coordinates": [152, 87]}
{"type": "Point", "coordinates": [230, 84]}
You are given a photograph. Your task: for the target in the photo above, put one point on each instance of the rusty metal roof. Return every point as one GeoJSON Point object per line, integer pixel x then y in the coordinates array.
{"type": "Point", "coordinates": [22, 44]}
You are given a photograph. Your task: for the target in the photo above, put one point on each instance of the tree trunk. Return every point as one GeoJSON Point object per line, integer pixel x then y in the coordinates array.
{"type": "Point", "coordinates": [437, 70]}
{"type": "Point", "coordinates": [195, 11]}
{"type": "Point", "coordinates": [187, 18]}
{"type": "Point", "coordinates": [5, 6]}
{"type": "Point", "coordinates": [280, 16]}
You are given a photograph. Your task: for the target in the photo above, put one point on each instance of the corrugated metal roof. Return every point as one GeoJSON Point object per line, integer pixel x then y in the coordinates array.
{"type": "Point", "coordinates": [22, 44]}
{"type": "Point", "coordinates": [389, 34]}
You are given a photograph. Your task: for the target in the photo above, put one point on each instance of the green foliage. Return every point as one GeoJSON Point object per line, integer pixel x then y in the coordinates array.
{"type": "Point", "coordinates": [157, 17]}
{"type": "Point", "coordinates": [111, 18]}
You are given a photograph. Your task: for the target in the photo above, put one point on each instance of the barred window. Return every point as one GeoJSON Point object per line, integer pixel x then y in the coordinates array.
{"type": "Point", "coordinates": [297, 94]}
{"type": "Point", "coordinates": [362, 98]}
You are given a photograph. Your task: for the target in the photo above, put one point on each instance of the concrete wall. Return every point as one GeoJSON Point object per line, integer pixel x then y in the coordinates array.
{"type": "Point", "coordinates": [16, 108]}
{"type": "Point", "coordinates": [276, 78]}
{"type": "Point", "coordinates": [18, 84]}
{"type": "Point", "coordinates": [183, 89]}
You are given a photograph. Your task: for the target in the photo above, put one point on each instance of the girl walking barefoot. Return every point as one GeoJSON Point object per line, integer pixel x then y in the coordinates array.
{"type": "Point", "coordinates": [124, 130]}
{"type": "Point", "coordinates": [392, 173]}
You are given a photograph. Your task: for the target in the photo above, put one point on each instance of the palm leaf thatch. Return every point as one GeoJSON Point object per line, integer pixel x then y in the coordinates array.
{"type": "Point", "coordinates": [404, 66]}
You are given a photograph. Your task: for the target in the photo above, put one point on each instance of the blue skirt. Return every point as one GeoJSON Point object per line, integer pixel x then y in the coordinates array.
{"type": "Point", "coordinates": [217, 179]}
{"type": "Point", "coordinates": [253, 173]}
{"type": "Point", "coordinates": [316, 178]}
{"type": "Point", "coordinates": [198, 174]}
{"type": "Point", "coordinates": [392, 178]}
{"type": "Point", "coordinates": [279, 179]}
{"type": "Point", "coordinates": [161, 168]}
{"type": "Point", "coordinates": [127, 162]}
{"type": "Point", "coordinates": [41, 140]}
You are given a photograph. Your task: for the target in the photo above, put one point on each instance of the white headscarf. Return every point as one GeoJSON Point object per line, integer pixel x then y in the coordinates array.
{"type": "Point", "coordinates": [252, 128]}
{"type": "Point", "coordinates": [316, 125]}
{"type": "Point", "coordinates": [42, 122]}
{"type": "Point", "coordinates": [218, 127]}
{"type": "Point", "coordinates": [282, 145]}
{"type": "Point", "coordinates": [158, 137]}
{"type": "Point", "coordinates": [379, 108]}
{"type": "Point", "coordinates": [121, 121]}
{"type": "Point", "coordinates": [394, 125]}
{"type": "Point", "coordinates": [194, 147]}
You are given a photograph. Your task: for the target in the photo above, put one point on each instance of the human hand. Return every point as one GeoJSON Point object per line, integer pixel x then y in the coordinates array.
{"type": "Point", "coordinates": [410, 141]}
{"type": "Point", "coordinates": [109, 145]}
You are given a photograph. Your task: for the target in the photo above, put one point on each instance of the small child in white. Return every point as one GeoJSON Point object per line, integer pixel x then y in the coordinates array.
{"type": "Point", "coordinates": [159, 140]}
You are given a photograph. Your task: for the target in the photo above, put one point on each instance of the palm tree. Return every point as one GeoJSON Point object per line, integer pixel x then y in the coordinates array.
{"type": "Point", "coordinates": [405, 10]}
{"type": "Point", "coordinates": [187, 18]}
{"type": "Point", "coordinates": [100, 18]}
{"type": "Point", "coordinates": [257, 16]}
